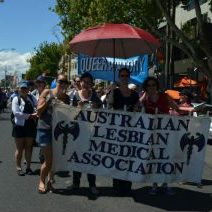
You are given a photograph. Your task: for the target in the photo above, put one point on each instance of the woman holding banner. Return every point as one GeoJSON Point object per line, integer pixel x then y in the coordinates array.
{"type": "Point", "coordinates": [44, 129]}
{"type": "Point", "coordinates": [123, 98]}
{"type": "Point", "coordinates": [85, 98]}
{"type": "Point", "coordinates": [155, 102]}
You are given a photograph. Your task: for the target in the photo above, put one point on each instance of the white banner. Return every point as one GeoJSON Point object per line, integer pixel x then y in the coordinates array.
{"type": "Point", "coordinates": [129, 145]}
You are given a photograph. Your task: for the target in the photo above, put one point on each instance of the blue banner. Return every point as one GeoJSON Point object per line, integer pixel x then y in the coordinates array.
{"type": "Point", "coordinates": [104, 67]}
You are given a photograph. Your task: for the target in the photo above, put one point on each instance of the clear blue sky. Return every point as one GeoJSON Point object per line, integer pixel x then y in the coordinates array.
{"type": "Point", "coordinates": [24, 24]}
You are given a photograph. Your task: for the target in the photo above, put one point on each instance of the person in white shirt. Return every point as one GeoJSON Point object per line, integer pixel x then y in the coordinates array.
{"type": "Point", "coordinates": [24, 126]}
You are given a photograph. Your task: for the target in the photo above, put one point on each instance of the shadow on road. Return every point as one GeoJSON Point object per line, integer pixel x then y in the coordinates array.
{"type": "Point", "coordinates": [204, 182]}
{"type": "Point", "coordinates": [183, 200]}
{"type": "Point", "coordinates": [63, 174]}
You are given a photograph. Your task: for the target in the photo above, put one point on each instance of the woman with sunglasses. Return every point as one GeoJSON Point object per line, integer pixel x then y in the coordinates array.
{"type": "Point", "coordinates": [120, 98]}
{"type": "Point", "coordinates": [24, 126]}
{"type": "Point", "coordinates": [44, 129]}
{"type": "Point", "coordinates": [153, 102]}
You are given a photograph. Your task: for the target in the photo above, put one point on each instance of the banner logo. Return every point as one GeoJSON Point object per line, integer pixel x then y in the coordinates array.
{"type": "Point", "coordinates": [66, 129]}
{"type": "Point", "coordinates": [199, 141]}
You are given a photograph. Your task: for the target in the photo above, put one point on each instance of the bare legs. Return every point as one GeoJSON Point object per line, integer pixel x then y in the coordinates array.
{"type": "Point", "coordinates": [46, 167]}
{"type": "Point", "coordinates": [23, 144]}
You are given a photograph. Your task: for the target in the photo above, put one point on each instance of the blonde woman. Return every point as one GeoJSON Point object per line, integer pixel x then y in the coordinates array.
{"type": "Point", "coordinates": [44, 129]}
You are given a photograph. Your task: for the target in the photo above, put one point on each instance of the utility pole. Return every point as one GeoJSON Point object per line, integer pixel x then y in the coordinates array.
{"type": "Point", "coordinates": [171, 56]}
{"type": "Point", "coordinates": [167, 60]}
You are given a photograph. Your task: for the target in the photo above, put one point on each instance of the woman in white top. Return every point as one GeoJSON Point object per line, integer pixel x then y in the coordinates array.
{"type": "Point", "coordinates": [24, 127]}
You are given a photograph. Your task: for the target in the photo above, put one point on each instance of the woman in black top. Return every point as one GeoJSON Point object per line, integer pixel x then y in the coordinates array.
{"type": "Point", "coordinates": [120, 98]}
{"type": "Point", "coordinates": [86, 98]}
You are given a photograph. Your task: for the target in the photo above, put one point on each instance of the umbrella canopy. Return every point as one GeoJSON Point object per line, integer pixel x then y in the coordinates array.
{"type": "Point", "coordinates": [114, 40]}
{"type": "Point", "coordinates": [186, 82]}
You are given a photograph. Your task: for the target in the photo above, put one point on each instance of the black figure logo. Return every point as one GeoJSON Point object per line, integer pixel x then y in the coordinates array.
{"type": "Point", "coordinates": [65, 130]}
{"type": "Point", "coordinates": [199, 141]}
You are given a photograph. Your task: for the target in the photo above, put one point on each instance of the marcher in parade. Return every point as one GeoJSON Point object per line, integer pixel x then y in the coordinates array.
{"type": "Point", "coordinates": [24, 127]}
{"type": "Point", "coordinates": [44, 129]}
{"type": "Point", "coordinates": [3, 100]}
{"type": "Point", "coordinates": [86, 97]}
{"type": "Point", "coordinates": [40, 86]}
{"type": "Point", "coordinates": [122, 97]}
{"type": "Point", "coordinates": [184, 103]}
{"type": "Point", "coordinates": [154, 101]}
{"type": "Point", "coordinates": [76, 87]}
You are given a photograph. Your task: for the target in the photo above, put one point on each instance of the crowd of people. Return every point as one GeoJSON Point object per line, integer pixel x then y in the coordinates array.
{"type": "Point", "coordinates": [32, 110]}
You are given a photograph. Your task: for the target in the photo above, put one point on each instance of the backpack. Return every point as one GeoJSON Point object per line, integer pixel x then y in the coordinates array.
{"type": "Point", "coordinates": [12, 116]}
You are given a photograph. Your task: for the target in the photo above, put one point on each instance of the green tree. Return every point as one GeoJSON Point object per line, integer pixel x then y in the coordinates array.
{"type": "Point", "coordinates": [45, 59]}
{"type": "Point", "coordinates": [76, 15]}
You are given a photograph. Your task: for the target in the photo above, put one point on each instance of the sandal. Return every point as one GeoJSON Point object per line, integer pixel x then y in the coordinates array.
{"type": "Point", "coordinates": [20, 172]}
{"type": "Point", "coordinates": [50, 188]}
{"type": "Point", "coordinates": [42, 190]}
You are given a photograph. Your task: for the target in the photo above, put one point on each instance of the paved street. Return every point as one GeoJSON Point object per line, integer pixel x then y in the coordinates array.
{"type": "Point", "coordinates": [20, 193]}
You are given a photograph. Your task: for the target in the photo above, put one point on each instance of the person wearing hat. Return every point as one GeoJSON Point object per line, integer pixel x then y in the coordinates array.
{"type": "Point", "coordinates": [24, 127]}
{"type": "Point", "coordinates": [40, 84]}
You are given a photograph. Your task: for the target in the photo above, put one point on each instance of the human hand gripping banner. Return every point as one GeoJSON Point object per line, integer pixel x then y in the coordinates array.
{"type": "Point", "coordinates": [129, 145]}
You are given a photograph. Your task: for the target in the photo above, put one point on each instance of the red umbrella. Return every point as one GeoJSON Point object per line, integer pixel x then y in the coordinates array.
{"type": "Point", "coordinates": [114, 40]}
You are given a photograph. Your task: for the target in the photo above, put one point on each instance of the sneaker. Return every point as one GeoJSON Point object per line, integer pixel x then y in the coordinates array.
{"type": "Point", "coordinates": [29, 171]}
{"type": "Point", "coordinates": [94, 191]}
{"type": "Point", "coordinates": [20, 172]}
{"type": "Point", "coordinates": [73, 187]}
{"type": "Point", "coordinates": [169, 191]}
{"type": "Point", "coordinates": [153, 190]}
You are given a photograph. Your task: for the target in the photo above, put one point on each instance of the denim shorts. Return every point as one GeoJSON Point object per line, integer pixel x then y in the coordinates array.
{"type": "Point", "coordinates": [44, 137]}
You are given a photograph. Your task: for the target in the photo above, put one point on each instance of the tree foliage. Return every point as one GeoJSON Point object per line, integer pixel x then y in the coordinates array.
{"type": "Point", "coordinates": [45, 59]}
{"type": "Point", "coordinates": [76, 15]}
{"type": "Point", "coordinates": [199, 50]}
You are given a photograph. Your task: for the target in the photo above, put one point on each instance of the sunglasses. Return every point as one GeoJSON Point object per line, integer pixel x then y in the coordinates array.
{"type": "Point", "coordinates": [124, 75]}
{"type": "Point", "coordinates": [62, 82]}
